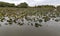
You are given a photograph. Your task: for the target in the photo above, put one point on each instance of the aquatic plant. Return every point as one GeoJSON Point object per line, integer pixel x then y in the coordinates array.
{"type": "Point", "coordinates": [10, 23]}
{"type": "Point", "coordinates": [31, 24]}
{"type": "Point", "coordinates": [46, 19]}
{"type": "Point", "coordinates": [20, 23]}
{"type": "Point", "coordinates": [56, 20]}
{"type": "Point", "coordinates": [28, 19]}
{"type": "Point", "coordinates": [14, 21]}
{"type": "Point", "coordinates": [40, 20]}
{"type": "Point", "coordinates": [10, 20]}
{"type": "Point", "coordinates": [2, 19]}
{"type": "Point", "coordinates": [37, 25]}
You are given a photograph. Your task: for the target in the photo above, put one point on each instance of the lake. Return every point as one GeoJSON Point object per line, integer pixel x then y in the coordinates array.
{"type": "Point", "coordinates": [30, 28]}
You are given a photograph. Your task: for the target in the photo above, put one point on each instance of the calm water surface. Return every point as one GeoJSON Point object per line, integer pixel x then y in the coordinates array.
{"type": "Point", "coordinates": [49, 28]}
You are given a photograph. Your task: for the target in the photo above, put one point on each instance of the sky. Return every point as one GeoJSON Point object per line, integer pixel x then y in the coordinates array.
{"type": "Point", "coordinates": [34, 2]}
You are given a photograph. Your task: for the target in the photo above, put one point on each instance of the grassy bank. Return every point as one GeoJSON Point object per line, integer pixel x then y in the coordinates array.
{"type": "Point", "coordinates": [20, 12]}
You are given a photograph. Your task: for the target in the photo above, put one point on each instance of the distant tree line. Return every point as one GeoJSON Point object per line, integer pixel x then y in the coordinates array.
{"type": "Point", "coordinates": [6, 4]}
{"type": "Point", "coordinates": [25, 5]}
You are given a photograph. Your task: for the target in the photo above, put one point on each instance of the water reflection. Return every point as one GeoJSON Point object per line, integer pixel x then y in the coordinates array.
{"type": "Point", "coordinates": [21, 22]}
{"type": "Point", "coordinates": [0, 25]}
{"type": "Point", "coordinates": [6, 23]}
{"type": "Point", "coordinates": [29, 20]}
{"type": "Point", "coordinates": [29, 24]}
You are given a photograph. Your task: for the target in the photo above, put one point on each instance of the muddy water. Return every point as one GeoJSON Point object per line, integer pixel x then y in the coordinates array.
{"type": "Point", "coordinates": [49, 28]}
